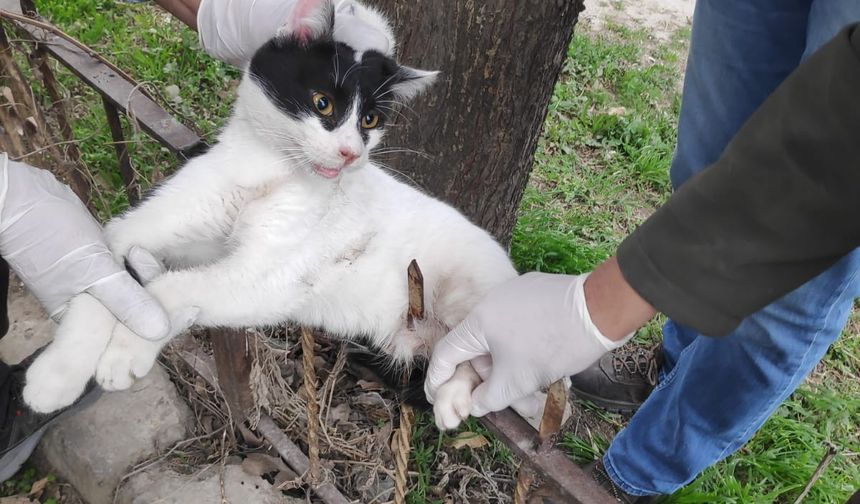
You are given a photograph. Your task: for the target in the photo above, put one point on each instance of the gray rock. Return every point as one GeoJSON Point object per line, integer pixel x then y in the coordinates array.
{"type": "Point", "coordinates": [94, 448]}
{"type": "Point", "coordinates": [165, 486]}
{"type": "Point", "coordinates": [29, 329]}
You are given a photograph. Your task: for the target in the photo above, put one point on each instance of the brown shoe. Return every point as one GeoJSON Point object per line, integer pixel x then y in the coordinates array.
{"type": "Point", "coordinates": [598, 473]}
{"type": "Point", "coordinates": [620, 381]}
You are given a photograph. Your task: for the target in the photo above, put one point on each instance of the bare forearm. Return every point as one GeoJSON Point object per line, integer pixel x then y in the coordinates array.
{"type": "Point", "coordinates": [184, 10]}
{"type": "Point", "coordinates": [615, 308]}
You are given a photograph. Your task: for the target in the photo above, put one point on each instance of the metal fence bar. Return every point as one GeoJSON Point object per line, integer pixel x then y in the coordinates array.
{"type": "Point", "coordinates": [118, 91]}
{"type": "Point", "coordinates": [571, 483]}
{"type": "Point", "coordinates": [126, 171]}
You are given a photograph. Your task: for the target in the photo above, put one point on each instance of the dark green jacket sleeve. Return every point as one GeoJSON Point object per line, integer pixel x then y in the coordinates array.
{"type": "Point", "coordinates": [4, 292]}
{"type": "Point", "coordinates": [780, 206]}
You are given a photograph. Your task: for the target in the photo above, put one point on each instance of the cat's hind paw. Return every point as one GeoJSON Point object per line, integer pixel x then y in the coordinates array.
{"type": "Point", "coordinates": [127, 358]}
{"type": "Point", "coordinates": [52, 383]}
{"type": "Point", "coordinates": [453, 404]}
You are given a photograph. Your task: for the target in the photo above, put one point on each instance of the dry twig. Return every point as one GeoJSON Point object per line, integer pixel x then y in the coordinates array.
{"type": "Point", "coordinates": [822, 466]}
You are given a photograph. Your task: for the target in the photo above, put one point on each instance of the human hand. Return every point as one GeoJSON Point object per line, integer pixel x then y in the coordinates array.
{"type": "Point", "coordinates": [526, 334]}
{"type": "Point", "coordinates": [56, 248]}
{"type": "Point", "coordinates": [233, 30]}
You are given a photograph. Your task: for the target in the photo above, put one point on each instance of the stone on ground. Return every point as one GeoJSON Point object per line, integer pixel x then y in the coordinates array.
{"type": "Point", "coordinates": [165, 486]}
{"type": "Point", "coordinates": [94, 448]}
{"type": "Point", "coordinates": [29, 328]}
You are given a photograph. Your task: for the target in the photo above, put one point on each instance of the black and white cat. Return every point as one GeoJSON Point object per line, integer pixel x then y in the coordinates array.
{"type": "Point", "coordinates": [286, 219]}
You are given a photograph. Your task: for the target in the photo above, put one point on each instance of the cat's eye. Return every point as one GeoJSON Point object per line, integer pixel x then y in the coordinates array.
{"type": "Point", "coordinates": [370, 120]}
{"type": "Point", "coordinates": [323, 104]}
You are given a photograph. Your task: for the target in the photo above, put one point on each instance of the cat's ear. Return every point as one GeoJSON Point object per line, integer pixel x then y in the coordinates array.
{"type": "Point", "coordinates": [411, 82]}
{"type": "Point", "coordinates": [308, 21]}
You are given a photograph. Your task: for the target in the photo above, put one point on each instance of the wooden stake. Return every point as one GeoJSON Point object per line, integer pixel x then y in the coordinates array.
{"type": "Point", "coordinates": [550, 423]}
{"type": "Point", "coordinates": [402, 441]}
{"type": "Point", "coordinates": [312, 408]}
{"type": "Point", "coordinates": [553, 413]}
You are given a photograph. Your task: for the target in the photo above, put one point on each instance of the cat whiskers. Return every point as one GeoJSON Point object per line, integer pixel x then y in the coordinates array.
{"type": "Point", "coordinates": [382, 86]}
{"type": "Point", "coordinates": [273, 134]}
{"type": "Point", "coordinates": [336, 66]}
{"type": "Point", "coordinates": [354, 66]}
{"type": "Point", "coordinates": [383, 94]}
{"type": "Point", "coordinates": [397, 150]}
{"type": "Point", "coordinates": [395, 172]}
{"type": "Point", "coordinates": [399, 105]}
{"type": "Point", "coordinates": [398, 109]}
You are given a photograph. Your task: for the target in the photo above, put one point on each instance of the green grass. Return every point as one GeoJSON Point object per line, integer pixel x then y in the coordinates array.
{"type": "Point", "coordinates": [601, 168]}
{"type": "Point", "coordinates": [23, 483]}
{"type": "Point", "coordinates": [601, 164]}
{"type": "Point", "coordinates": [158, 51]}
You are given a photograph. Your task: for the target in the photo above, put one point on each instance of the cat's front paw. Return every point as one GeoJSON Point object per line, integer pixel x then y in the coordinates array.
{"type": "Point", "coordinates": [453, 403]}
{"type": "Point", "coordinates": [54, 382]}
{"type": "Point", "coordinates": [127, 358]}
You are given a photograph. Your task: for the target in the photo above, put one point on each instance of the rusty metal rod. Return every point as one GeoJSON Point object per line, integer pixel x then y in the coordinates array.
{"type": "Point", "coordinates": [204, 365]}
{"type": "Point", "coordinates": [114, 86]}
{"type": "Point", "coordinates": [572, 484]}
{"type": "Point", "coordinates": [126, 171]}
{"type": "Point", "coordinates": [297, 460]}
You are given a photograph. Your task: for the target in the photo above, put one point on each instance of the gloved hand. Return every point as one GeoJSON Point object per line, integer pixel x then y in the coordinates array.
{"type": "Point", "coordinates": [233, 30]}
{"type": "Point", "coordinates": [56, 248]}
{"type": "Point", "coordinates": [526, 334]}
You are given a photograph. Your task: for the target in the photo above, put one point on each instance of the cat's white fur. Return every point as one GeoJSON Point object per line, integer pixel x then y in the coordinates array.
{"type": "Point", "coordinates": [256, 236]}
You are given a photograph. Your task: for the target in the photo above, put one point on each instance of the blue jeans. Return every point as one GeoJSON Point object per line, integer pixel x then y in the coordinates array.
{"type": "Point", "coordinates": [713, 394]}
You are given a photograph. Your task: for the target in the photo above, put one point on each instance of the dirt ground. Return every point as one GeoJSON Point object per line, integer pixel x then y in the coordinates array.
{"type": "Point", "coordinates": [662, 17]}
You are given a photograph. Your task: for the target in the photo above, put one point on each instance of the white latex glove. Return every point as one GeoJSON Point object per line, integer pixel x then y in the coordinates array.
{"type": "Point", "coordinates": [526, 334]}
{"type": "Point", "coordinates": [233, 30]}
{"type": "Point", "coordinates": [56, 248]}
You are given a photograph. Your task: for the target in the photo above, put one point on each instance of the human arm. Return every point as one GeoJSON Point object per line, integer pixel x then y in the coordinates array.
{"type": "Point", "coordinates": [779, 207]}
{"type": "Point", "coordinates": [184, 10]}
{"type": "Point", "coordinates": [233, 30]}
{"type": "Point", "coordinates": [56, 248]}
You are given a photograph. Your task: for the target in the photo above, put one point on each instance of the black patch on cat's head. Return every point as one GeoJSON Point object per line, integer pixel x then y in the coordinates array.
{"type": "Point", "coordinates": [291, 72]}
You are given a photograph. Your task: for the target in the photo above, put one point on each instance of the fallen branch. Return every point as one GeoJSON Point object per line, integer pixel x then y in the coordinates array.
{"type": "Point", "coordinates": [822, 466]}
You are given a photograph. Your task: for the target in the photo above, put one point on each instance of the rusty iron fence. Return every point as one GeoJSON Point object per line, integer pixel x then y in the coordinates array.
{"type": "Point", "coordinates": [547, 474]}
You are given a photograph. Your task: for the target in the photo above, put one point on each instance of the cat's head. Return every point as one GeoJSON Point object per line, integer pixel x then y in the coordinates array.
{"type": "Point", "coordinates": [323, 105]}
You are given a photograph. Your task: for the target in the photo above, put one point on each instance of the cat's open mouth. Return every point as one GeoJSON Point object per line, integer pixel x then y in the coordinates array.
{"type": "Point", "coordinates": [326, 172]}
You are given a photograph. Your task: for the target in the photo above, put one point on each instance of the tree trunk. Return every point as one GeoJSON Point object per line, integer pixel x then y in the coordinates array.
{"type": "Point", "coordinates": [480, 124]}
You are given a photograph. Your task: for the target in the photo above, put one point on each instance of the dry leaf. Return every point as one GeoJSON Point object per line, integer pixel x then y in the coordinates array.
{"type": "Point", "coordinates": [369, 385]}
{"type": "Point", "coordinates": [287, 480]}
{"type": "Point", "coordinates": [471, 439]}
{"type": "Point", "coordinates": [258, 464]}
{"type": "Point", "coordinates": [17, 499]}
{"type": "Point", "coordinates": [617, 111]}
{"type": "Point", "coordinates": [39, 486]}
{"type": "Point", "coordinates": [7, 93]}
{"type": "Point", "coordinates": [374, 406]}
{"type": "Point", "coordinates": [249, 436]}
{"type": "Point", "coordinates": [339, 414]}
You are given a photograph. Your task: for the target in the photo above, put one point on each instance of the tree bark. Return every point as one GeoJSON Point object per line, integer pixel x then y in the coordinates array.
{"type": "Point", "coordinates": [480, 124]}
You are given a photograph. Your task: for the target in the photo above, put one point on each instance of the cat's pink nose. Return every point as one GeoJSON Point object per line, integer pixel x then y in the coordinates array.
{"type": "Point", "coordinates": [348, 155]}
